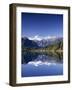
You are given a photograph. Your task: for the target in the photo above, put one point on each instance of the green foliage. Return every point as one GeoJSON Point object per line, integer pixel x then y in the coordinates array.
{"type": "Point", "coordinates": [57, 46]}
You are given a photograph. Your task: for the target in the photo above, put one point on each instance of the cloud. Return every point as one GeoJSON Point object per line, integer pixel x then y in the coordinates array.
{"type": "Point", "coordinates": [37, 37]}
{"type": "Point", "coordinates": [38, 63]}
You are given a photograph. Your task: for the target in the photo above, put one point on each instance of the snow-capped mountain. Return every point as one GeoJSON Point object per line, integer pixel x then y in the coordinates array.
{"type": "Point", "coordinates": [45, 41]}
{"type": "Point", "coordinates": [28, 43]}
{"type": "Point", "coordinates": [39, 38]}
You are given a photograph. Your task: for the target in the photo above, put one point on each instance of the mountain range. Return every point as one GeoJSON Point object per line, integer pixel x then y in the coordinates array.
{"type": "Point", "coordinates": [28, 43]}
{"type": "Point", "coordinates": [47, 42]}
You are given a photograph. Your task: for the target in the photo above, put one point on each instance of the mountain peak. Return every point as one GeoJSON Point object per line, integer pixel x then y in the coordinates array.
{"type": "Point", "coordinates": [39, 38]}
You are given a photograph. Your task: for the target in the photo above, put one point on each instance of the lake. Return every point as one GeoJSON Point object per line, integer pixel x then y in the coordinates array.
{"type": "Point", "coordinates": [41, 64]}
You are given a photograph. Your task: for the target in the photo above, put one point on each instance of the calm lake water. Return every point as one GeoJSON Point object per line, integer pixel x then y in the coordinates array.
{"type": "Point", "coordinates": [41, 64]}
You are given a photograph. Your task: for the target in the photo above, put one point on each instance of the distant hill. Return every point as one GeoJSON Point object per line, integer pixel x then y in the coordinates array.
{"type": "Point", "coordinates": [55, 46]}
{"type": "Point", "coordinates": [26, 43]}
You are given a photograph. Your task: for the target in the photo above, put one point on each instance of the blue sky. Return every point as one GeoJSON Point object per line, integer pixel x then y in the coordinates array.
{"type": "Point", "coordinates": [41, 25]}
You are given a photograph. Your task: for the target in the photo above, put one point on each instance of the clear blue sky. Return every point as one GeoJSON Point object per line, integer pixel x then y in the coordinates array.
{"type": "Point", "coordinates": [41, 24]}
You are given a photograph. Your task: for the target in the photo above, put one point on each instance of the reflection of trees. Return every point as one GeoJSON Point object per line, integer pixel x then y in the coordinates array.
{"type": "Point", "coordinates": [58, 56]}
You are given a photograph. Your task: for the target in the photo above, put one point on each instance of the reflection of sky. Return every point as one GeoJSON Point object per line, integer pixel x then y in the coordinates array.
{"type": "Point", "coordinates": [34, 69]}
{"type": "Point", "coordinates": [42, 24]}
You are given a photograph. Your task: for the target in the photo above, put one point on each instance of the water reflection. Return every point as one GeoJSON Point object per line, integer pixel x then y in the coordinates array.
{"type": "Point", "coordinates": [42, 64]}
{"type": "Point", "coordinates": [46, 56]}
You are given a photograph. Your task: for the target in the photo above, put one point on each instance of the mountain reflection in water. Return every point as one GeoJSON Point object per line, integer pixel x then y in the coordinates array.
{"type": "Point", "coordinates": [42, 64]}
